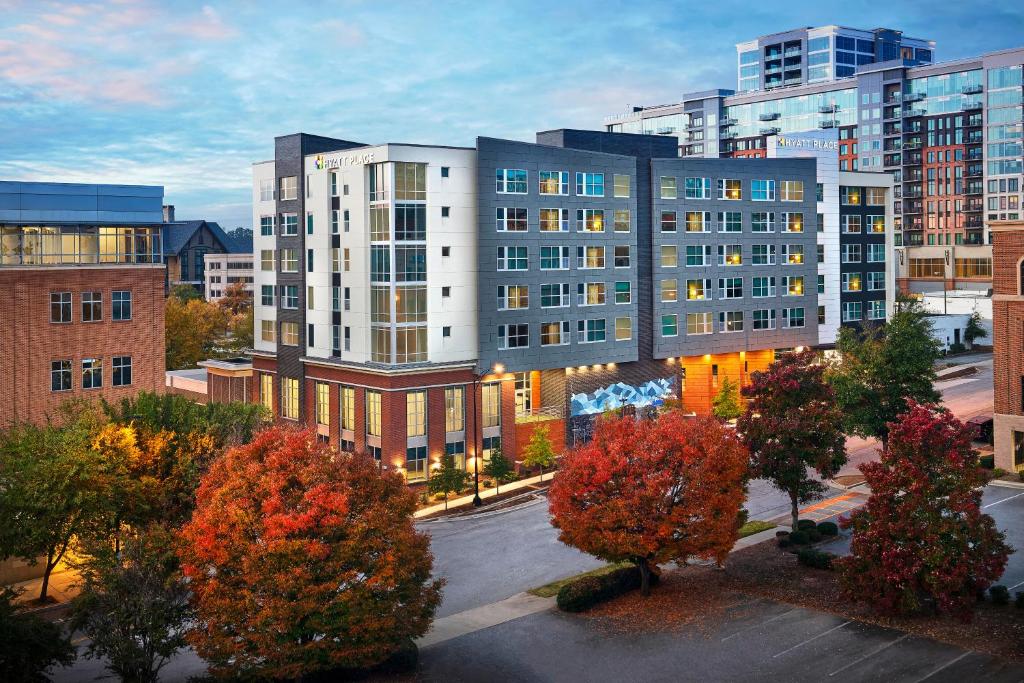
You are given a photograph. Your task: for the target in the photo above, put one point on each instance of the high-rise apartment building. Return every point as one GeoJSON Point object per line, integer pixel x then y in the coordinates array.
{"type": "Point", "coordinates": [82, 273]}
{"type": "Point", "coordinates": [413, 300]}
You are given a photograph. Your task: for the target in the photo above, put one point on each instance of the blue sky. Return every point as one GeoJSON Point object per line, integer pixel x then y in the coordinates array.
{"type": "Point", "coordinates": [189, 94]}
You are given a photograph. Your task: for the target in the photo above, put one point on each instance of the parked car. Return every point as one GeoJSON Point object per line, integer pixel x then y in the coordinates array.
{"type": "Point", "coordinates": [983, 423]}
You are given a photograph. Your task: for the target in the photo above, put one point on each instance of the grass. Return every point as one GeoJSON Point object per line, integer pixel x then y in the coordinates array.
{"type": "Point", "coordinates": [550, 590]}
{"type": "Point", "coordinates": [755, 526]}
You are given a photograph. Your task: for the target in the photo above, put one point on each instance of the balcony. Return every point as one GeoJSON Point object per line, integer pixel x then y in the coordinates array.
{"type": "Point", "coordinates": [914, 175]}
{"type": "Point", "coordinates": [913, 97]}
{"type": "Point", "coordinates": [974, 222]}
{"type": "Point", "coordinates": [974, 206]}
{"type": "Point", "coordinates": [773, 69]}
{"type": "Point", "coordinates": [893, 146]}
{"type": "Point", "coordinates": [912, 208]}
{"type": "Point", "coordinates": [911, 159]}
{"type": "Point", "coordinates": [975, 154]}
{"type": "Point", "coordinates": [769, 116]}
{"type": "Point", "coordinates": [973, 172]}
{"type": "Point", "coordinates": [974, 138]}
{"type": "Point", "coordinates": [913, 143]}
{"type": "Point", "coordinates": [913, 127]}
{"type": "Point", "coordinates": [974, 189]}
{"type": "Point", "coordinates": [773, 130]}
{"type": "Point", "coordinates": [973, 121]}
{"type": "Point", "coordinates": [913, 113]}
{"type": "Point", "coordinates": [891, 114]}
{"type": "Point", "coordinates": [728, 122]}
{"type": "Point", "coordinates": [540, 415]}
{"type": "Point", "coordinates": [894, 98]}
{"type": "Point", "coordinates": [829, 123]}
{"type": "Point", "coordinates": [974, 239]}
{"type": "Point", "coordinates": [795, 80]}
{"type": "Point", "coordinates": [971, 90]}
{"type": "Point", "coordinates": [973, 106]}
{"type": "Point", "coordinates": [667, 130]}
{"type": "Point", "coordinates": [912, 192]}
{"type": "Point", "coordinates": [892, 129]}
{"type": "Point", "coordinates": [893, 159]}
{"type": "Point", "coordinates": [790, 51]}
{"type": "Point", "coordinates": [729, 135]}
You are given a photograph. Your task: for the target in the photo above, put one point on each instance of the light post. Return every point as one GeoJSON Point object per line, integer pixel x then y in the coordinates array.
{"type": "Point", "coordinates": [477, 431]}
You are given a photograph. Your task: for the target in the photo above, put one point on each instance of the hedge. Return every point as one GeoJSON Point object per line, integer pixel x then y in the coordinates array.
{"type": "Point", "coordinates": [809, 557]}
{"type": "Point", "coordinates": [828, 529]}
{"type": "Point", "coordinates": [587, 591]}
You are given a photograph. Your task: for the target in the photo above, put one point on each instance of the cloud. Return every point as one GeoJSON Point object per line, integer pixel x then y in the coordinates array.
{"type": "Point", "coordinates": [207, 25]}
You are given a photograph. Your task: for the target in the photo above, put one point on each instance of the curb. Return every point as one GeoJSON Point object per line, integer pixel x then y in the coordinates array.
{"type": "Point", "coordinates": [485, 511]}
{"type": "Point", "coordinates": [1006, 484]}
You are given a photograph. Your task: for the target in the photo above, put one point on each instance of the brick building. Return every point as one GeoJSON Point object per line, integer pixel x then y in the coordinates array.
{"type": "Point", "coordinates": [1008, 342]}
{"type": "Point", "coordinates": [83, 278]}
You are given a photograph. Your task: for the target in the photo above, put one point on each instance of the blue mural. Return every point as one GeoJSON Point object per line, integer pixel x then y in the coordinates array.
{"type": "Point", "coordinates": [617, 395]}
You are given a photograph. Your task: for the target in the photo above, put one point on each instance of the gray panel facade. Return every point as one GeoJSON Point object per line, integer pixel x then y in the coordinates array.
{"type": "Point", "coordinates": [80, 203]}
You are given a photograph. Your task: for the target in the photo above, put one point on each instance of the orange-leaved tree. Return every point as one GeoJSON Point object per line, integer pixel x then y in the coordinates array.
{"type": "Point", "coordinates": [652, 491]}
{"type": "Point", "coordinates": [303, 559]}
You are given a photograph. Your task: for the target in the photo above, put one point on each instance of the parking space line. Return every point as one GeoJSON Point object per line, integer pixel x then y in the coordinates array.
{"type": "Point", "coordinates": [759, 625]}
{"type": "Point", "coordinates": [945, 666]}
{"type": "Point", "coordinates": [811, 640]}
{"type": "Point", "coordinates": [1002, 500]}
{"type": "Point", "coordinates": [871, 653]}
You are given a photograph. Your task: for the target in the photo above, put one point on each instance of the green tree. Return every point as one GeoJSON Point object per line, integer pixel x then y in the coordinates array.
{"type": "Point", "coordinates": [30, 644]}
{"type": "Point", "coordinates": [726, 403]}
{"type": "Point", "coordinates": [974, 331]}
{"type": "Point", "coordinates": [133, 604]}
{"type": "Point", "coordinates": [884, 367]}
{"type": "Point", "coordinates": [447, 478]}
{"type": "Point", "coordinates": [194, 330]}
{"type": "Point", "coordinates": [499, 468]}
{"type": "Point", "coordinates": [186, 293]}
{"type": "Point", "coordinates": [539, 452]}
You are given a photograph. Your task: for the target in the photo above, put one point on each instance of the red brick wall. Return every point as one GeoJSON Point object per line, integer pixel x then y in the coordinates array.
{"type": "Point", "coordinates": [1007, 321]}
{"type": "Point", "coordinates": [29, 341]}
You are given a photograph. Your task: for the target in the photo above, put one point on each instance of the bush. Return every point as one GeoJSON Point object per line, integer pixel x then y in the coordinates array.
{"type": "Point", "coordinates": [1000, 594]}
{"type": "Point", "coordinates": [805, 524]}
{"type": "Point", "coordinates": [809, 557]}
{"type": "Point", "coordinates": [799, 538]}
{"type": "Point", "coordinates": [1018, 599]}
{"type": "Point", "coordinates": [813, 535]}
{"type": "Point", "coordinates": [587, 591]}
{"type": "Point", "coordinates": [987, 461]}
{"type": "Point", "coordinates": [828, 529]}
{"type": "Point", "coordinates": [781, 534]}
{"type": "Point", "coordinates": [998, 473]}
{"type": "Point", "coordinates": [956, 347]}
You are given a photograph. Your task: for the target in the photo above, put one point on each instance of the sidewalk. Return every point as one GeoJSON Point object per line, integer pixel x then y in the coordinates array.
{"type": "Point", "coordinates": [61, 588]}
{"type": "Point", "coordinates": [484, 494]}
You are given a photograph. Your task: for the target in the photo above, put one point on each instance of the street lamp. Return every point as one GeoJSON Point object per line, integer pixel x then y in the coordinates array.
{"type": "Point", "coordinates": [497, 369]}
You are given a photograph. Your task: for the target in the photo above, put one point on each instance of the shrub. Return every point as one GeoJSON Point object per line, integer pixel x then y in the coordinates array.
{"type": "Point", "coordinates": [1000, 594]}
{"type": "Point", "coordinates": [587, 591]}
{"type": "Point", "coordinates": [781, 534]}
{"type": "Point", "coordinates": [998, 473]}
{"type": "Point", "coordinates": [987, 461]}
{"type": "Point", "coordinates": [805, 524]}
{"type": "Point", "coordinates": [813, 535]}
{"type": "Point", "coordinates": [1018, 599]}
{"type": "Point", "coordinates": [828, 529]}
{"type": "Point", "coordinates": [1021, 475]}
{"type": "Point", "coordinates": [956, 347]}
{"type": "Point", "coordinates": [799, 538]}
{"type": "Point", "coordinates": [809, 557]}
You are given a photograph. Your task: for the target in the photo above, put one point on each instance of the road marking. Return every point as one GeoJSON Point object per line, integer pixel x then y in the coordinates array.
{"type": "Point", "coordinates": [79, 641]}
{"type": "Point", "coordinates": [1015, 585]}
{"type": "Point", "coordinates": [1003, 500]}
{"type": "Point", "coordinates": [811, 640]}
{"type": "Point", "coordinates": [777, 616]}
{"type": "Point", "coordinates": [872, 653]}
{"type": "Point", "coordinates": [827, 503]}
{"type": "Point", "coordinates": [945, 666]}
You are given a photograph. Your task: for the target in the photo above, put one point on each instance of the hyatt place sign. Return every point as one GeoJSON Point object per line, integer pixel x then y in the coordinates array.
{"type": "Point", "coordinates": [807, 143]}
{"type": "Point", "coordinates": [323, 162]}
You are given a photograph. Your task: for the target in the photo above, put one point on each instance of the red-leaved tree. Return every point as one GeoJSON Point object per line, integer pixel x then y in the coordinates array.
{"type": "Point", "coordinates": [921, 543]}
{"type": "Point", "coordinates": [652, 491]}
{"type": "Point", "coordinates": [792, 425]}
{"type": "Point", "coordinates": [302, 559]}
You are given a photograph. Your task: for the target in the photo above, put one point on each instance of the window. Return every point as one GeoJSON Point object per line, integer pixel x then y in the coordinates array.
{"type": "Point", "coordinates": [266, 226]}
{"type": "Point", "coordinates": [290, 334]}
{"type": "Point", "coordinates": [730, 255]}
{"type": "Point", "coordinates": [698, 290]}
{"type": "Point", "coordinates": [590, 184]}
{"type": "Point", "coordinates": [668, 187]}
{"type": "Point", "coordinates": [266, 259]}
{"type": "Point", "coordinates": [792, 285]}
{"type": "Point", "coordinates": [793, 317]}
{"type": "Point", "coordinates": [513, 336]}
{"type": "Point", "coordinates": [411, 222]}
{"type": "Point", "coordinates": [512, 258]}
{"type": "Point", "coordinates": [698, 255]}
{"type": "Point", "coordinates": [698, 188]}
{"type": "Point", "coordinates": [267, 190]}
{"type": "Point", "coordinates": [762, 221]}
{"type": "Point", "coordinates": [668, 221]}
{"type": "Point", "coordinates": [623, 329]}
{"type": "Point", "coordinates": [620, 186]}
{"type": "Point", "coordinates": [511, 297]}
{"type": "Point", "coordinates": [876, 281]}
{"type": "Point", "coordinates": [554, 258]}
{"type": "Point", "coordinates": [973, 267]}
{"type": "Point", "coordinates": [875, 196]}
{"type": "Point", "coordinates": [347, 400]}
{"type": "Point", "coordinates": [510, 181]}
{"type": "Point", "coordinates": [792, 191]}
{"type": "Point", "coordinates": [554, 220]}
{"type": "Point", "coordinates": [621, 255]}
{"type": "Point", "coordinates": [334, 183]}
{"type": "Point", "coordinates": [669, 256]}
{"type": "Point", "coordinates": [623, 293]}
{"type": "Point", "coordinates": [445, 170]}
{"type": "Point", "coordinates": [373, 416]}
{"type": "Point", "coordinates": [621, 220]}
{"type": "Point", "coordinates": [309, 223]}
{"type": "Point", "coordinates": [730, 321]}
{"type": "Point", "coordinates": [730, 288]}
{"type": "Point", "coordinates": [852, 282]}
{"type": "Point", "coordinates": [60, 307]}
{"type": "Point", "coordinates": [511, 220]}
{"type": "Point", "coordinates": [554, 296]}
{"type": "Point", "coordinates": [122, 371]}
{"type": "Point", "coordinates": [410, 264]}
{"type": "Point", "coordinates": [763, 190]}
{"type": "Point", "coordinates": [554, 182]}
{"type": "Point", "coordinates": [851, 224]}
{"type": "Point", "coordinates": [762, 286]}
{"type": "Point", "coordinates": [792, 254]}
{"type": "Point", "coordinates": [590, 331]}
{"type": "Point", "coordinates": [416, 413]}
{"type": "Point", "coordinates": [851, 254]}
{"type": "Point", "coordinates": [852, 311]}
{"type": "Point", "coordinates": [121, 305]}
{"type": "Point", "coordinates": [289, 260]}
{"type": "Point", "coordinates": [554, 333]}
{"type": "Point", "coordinates": [491, 395]}
{"type": "Point", "coordinates": [380, 224]}
{"type": "Point", "coordinates": [762, 254]}
{"type": "Point", "coordinates": [289, 224]}
{"type": "Point", "coordinates": [730, 189]}
{"type": "Point", "coordinates": [457, 449]}
{"type": "Point", "coordinates": [876, 309]}
{"type": "Point", "coordinates": [267, 330]}
{"type": "Point", "coordinates": [698, 221]}
{"type": "Point", "coordinates": [589, 220]}
{"type": "Point", "coordinates": [92, 307]}
{"type": "Point", "coordinates": [669, 290]}
{"type": "Point", "coordinates": [267, 391]}
{"type": "Point", "coordinates": [876, 253]}
{"type": "Point", "coordinates": [764, 319]}
{"type": "Point", "coordinates": [416, 464]}
{"type": "Point", "coordinates": [309, 260]}
{"type": "Point", "coordinates": [793, 222]}
{"type": "Point", "coordinates": [698, 323]}
{"type": "Point", "coordinates": [92, 373]}
{"type": "Point", "coordinates": [289, 187]}
{"type": "Point", "coordinates": [290, 296]}
{"type": "Point", "coordinates": [60, 375]}
{"type": "Point", "coordinates": [589, 257]}
{"type": "Point", "coordinates": [669, 325]}
{"type": "Point", "coordinates": [590, 294]}
{"type": "Point", "coordinates": [346, 262]}
{"type": "Point", "coordinates": [730, 221]}
{"type": "Point", "coordinates": [876, 224]}
{"type": "Point", "coordinates": [346, 220]}
{"type": "Point", "coordinates": [849, 196]}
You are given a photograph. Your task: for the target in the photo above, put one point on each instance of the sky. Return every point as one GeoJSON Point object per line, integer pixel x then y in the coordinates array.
{"type": "Point", "coordinates": [189, 94]}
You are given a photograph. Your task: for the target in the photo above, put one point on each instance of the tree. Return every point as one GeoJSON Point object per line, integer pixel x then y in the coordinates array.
{"type": "Point", "coordinates": [974, 331]}
{"type": "Point", "coordinates": [652, 491]}
{"type": "Point", "coordinates": [133, 604]}
{"type": "Point", "coordinates": [884, 367]}
{"type": "Point", "coordinates": [447, 478]}
{"type": "Point", "coordinates": [195, 330]}
{"type": "Point", "coordinates": [303, 559]}
{"type": "Point", "coordinates": [186, 293]}
{"type": "Point", "coordinates": [921, 542]}
{"type": "Point", "coordinates": [499, 468]}
{"type": "Point", "coordinates": [792, 423]}
{"type": "Point", "coordinates": [539, 452]}
{"type": "Point", "coordinates": [235, 300]}
{"type": "Point", "coordinates": [31, 644]}
{"type": "Point", "coordinates": [726, 403]}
